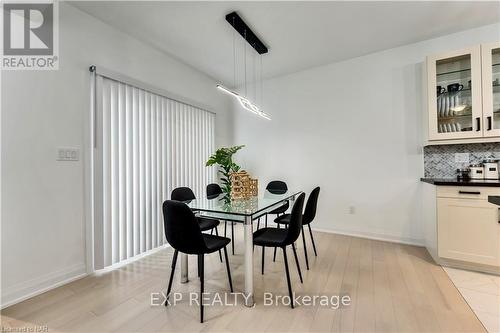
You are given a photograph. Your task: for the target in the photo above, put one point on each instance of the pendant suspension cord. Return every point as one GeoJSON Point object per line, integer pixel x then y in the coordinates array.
{"type": "Point", "coordinates": [254, 77]}
{"type": "Point", "coordinates": [245, 48]}
{"type": "Point", "coordinates": [261, 83]}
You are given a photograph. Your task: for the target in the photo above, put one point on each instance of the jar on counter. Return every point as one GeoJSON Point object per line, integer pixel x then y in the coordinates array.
{"type": "Point", "coordinates": [490, 168]}
{"type": "Point", "coordinates": [476, 171]}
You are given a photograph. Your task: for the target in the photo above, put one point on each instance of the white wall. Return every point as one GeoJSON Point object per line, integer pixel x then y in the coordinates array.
{"type": "Point", "coordinates": [43, 222]}
{"type": "Point", "coordinates": [355, 129]}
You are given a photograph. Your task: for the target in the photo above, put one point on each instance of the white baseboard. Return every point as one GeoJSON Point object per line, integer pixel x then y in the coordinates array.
{"type": "Point", "coordinates": [375, 236]}
{"type": "Point", "coordinates": [27, 289]}
{"type": "Point", "coordinates": [371, 235]}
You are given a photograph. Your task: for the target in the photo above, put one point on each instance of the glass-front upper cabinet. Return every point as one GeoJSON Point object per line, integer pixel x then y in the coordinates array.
{"type": "Point", "coordinates": [491, 88]}
{"type": "Point", "coordinates": [454, 95]}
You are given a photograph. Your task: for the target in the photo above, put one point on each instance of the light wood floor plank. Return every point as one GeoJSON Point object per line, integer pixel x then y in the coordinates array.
{"type": "Point", "coordinates": [385, 318]}
{"type": "Point", "coordinates": [405, 316]}
{"type": "Point", "coordinates": [344, 319]}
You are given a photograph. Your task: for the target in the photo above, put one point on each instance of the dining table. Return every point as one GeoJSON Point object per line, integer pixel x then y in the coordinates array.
{"type": "Point", "coordinates": [243, 211]}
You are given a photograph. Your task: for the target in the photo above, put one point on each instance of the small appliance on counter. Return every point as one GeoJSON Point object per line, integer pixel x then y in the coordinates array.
{"type": "Point", "coordinates": [463, 174]}
{"type": "Point", "coordinates": [476, 171]}
{"type": "Point", "coordinates": [490, 168]}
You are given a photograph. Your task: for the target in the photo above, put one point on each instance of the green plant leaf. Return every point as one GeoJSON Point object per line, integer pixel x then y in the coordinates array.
{"type": "Point", "coordinates": [223, 157]}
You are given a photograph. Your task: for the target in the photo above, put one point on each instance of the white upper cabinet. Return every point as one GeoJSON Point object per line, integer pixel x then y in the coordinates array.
{"type": "Point", "coordinates": [490, 54]}
{"type": "Point", "coordinates": [454, 95]}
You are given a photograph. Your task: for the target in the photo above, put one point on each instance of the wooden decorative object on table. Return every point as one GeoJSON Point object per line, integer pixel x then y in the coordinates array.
{"type": "Point", "coordinates": [243, 186]}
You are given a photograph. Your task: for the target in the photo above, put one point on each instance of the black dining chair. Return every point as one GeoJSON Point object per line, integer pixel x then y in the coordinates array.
{"type": "Point", "coordinates": [276, 187]}
{"type": "Point", "coordinates": [308, 217]}
{"type": "Point", "coordinates": [185, 194]}
{"type": "Point", "coordinates": [183, 233]}
{"type": "Point", "coordinates": [275, 237]}
{"type": "Point", "coordinates": [213, 191]}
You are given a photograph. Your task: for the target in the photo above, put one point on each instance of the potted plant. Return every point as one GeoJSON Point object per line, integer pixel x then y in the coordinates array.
{"type": "Point", "coordinates": [224, 158]}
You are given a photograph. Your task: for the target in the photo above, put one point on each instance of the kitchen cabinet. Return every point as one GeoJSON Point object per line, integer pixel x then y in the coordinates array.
{"type": "Point", "coordinates": [468, 228]}
{"type": "Point", "coordinates": [463, 95]}
{"type": "Point", "coordinates": [490, 55]}
{"type": "Point", "coordinates": [454, 95]}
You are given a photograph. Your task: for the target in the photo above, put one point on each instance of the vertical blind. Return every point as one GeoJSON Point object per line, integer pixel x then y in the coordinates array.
{"type": "Point", "coordinates": [145, 146]}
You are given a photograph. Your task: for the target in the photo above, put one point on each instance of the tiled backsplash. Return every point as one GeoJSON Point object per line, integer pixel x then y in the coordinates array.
{"type": "Point", "coordinates": [439, 161]}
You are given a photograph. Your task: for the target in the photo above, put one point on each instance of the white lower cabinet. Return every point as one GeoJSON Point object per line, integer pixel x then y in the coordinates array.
{"type": "Point", "coordinates": [468, 227]}
{"type": "Point", "coordinates": [468, 231]}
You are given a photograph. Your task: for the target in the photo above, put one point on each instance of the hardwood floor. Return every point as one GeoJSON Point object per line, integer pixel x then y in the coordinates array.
{"type": "Point", "coordinates": [393, 288]}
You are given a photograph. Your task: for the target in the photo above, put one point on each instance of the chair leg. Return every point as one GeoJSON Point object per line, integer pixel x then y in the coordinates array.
{"type": "Point", "coordinates": [202, 284]}
{"type": "Point", "coordinates": [312, 240]}
{"type": "Point", "coordinates": [274, 255]}
{"type": "Point", "coordinates": [174, 262]}
{"type": "Point", "coordinates": [263, 254]}
{"type": "Point", "coordinates": [305, 248]}
{"type": "Point", "coordinates": [217, 234]}
{"type": "Point", "coordinates": [297, 262]}
{"type": "Point", "coordinates": [232, 237]}
{"type": "Point", "coordinates": [199, 266]}
{"type": "Point", "coordinates": [228, 270]}
{"type": "Point", "coordinates": [288, 277]}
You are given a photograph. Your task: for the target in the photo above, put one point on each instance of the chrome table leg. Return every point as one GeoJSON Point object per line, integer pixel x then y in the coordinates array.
{"type": "Point", "coordinates": [184, 268]}
{"type": "Point", "coordinates": [248, 229]}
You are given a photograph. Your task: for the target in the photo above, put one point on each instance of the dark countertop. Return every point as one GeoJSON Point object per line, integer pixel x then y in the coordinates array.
{"type": "Point", "coordinates": [494, 199]}
{"type": "Point", "coordinates": [455, 182]}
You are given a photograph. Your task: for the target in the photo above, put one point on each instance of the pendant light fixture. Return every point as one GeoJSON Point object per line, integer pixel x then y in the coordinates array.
{"type": "Point", "coordinates": [241, 27]}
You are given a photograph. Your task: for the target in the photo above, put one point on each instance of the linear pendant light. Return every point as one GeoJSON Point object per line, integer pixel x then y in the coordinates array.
{"type": "Point", "coordinates": [244, 102]}
{"type": "Point", "coordinates": [242, 28]}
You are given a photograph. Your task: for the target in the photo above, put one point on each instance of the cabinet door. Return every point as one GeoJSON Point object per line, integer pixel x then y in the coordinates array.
{"type": "Point", "coordinates": [468, 231]}
{"type": "Point", "coordinates": [454, 95]}
{"type": "Point", "coordinates": [490, 54]}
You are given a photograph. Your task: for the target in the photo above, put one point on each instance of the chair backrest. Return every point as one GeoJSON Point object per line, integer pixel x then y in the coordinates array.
{"type": "Point", "coordinates": [182, 194]}
{"type": "Point", "coordinates": [295, 225]}
{"type": "Point", "coordinates": [213, 191]}
{"type": "Point", "coordinates": [182, 229]}
{"type": "Point", "coordinates": [277, 187]}
{"type": "Point", "coordinates": [310, 210]}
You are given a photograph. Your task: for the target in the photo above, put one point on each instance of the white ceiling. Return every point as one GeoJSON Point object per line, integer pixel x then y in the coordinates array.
{"type": "Point", "coordinates": [299, 35]}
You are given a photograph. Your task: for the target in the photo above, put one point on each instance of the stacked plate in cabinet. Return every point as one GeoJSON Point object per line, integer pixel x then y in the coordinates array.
{"type": "Point", "coordinates": [449, 105]}
{"type": "Point", "coordinates": [453, 127]}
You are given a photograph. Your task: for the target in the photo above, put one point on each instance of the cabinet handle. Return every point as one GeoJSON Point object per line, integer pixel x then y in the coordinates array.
{"type": "Point", "coordinates": [469, 192]}
{"type": "Point", "coordinates": [489, 123]}
{"type": "Point", "coordinates": [478, 121]}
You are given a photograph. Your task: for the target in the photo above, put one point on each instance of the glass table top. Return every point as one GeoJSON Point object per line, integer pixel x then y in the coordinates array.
{"type": "Point", "coordinates": [238, 209]}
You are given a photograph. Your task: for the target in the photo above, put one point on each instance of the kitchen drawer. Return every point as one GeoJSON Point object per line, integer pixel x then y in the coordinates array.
{"type": "Point", "coordinates": [466, 192]}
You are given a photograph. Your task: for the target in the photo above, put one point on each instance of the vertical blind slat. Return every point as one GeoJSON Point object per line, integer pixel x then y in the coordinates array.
{"type": "Point", "coordinates": [135, 188]}
{"type": "Point", "coordinates": [114, 174]}
{"type": "Point", "coordinates": [142, 180]}
{"type": "Point", "coordinates": [122, 214]}
{"type": "Point", "coordinates": [128, 173]}
{"type": "Point", "coordinates": [106, 179]}
{"type": "Point", "coordinates": [150, 145]}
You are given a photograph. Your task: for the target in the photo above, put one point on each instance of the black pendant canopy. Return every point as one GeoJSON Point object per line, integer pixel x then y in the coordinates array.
{"type": "Point", "coordinates": [239, 25]}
